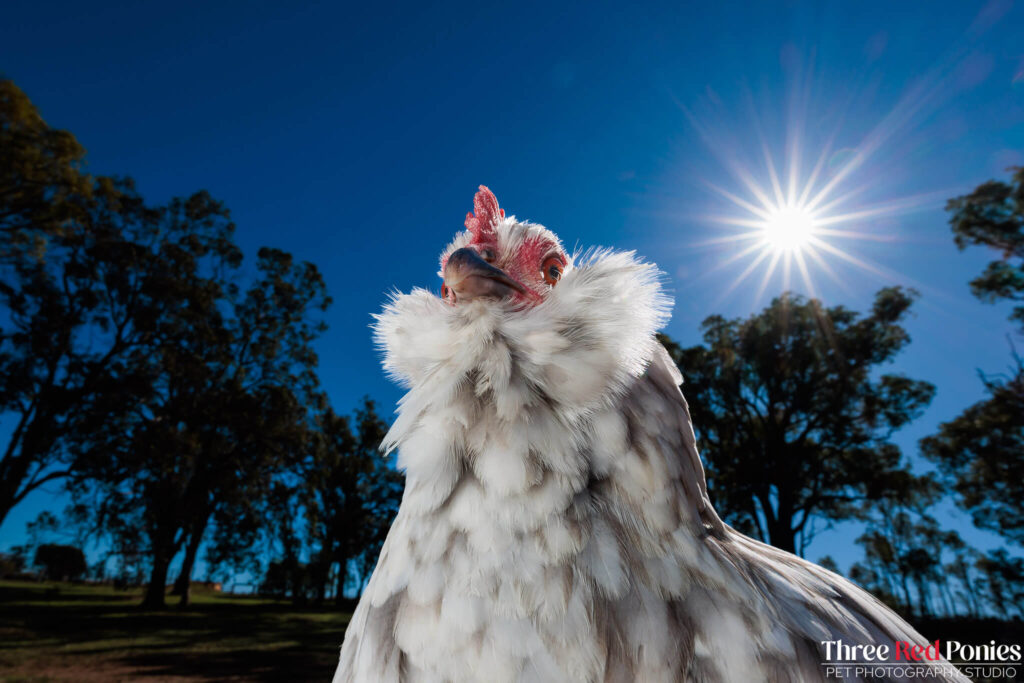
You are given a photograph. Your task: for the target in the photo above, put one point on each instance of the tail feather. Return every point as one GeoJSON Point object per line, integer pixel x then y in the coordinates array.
{"type": "Point", "coordinates": [816, 606]}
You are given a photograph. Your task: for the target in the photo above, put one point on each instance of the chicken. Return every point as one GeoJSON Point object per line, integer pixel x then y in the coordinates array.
{"type": "Point", "coordinates": [555, 524]}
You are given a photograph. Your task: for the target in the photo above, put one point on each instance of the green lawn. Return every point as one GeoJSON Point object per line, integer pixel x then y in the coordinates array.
{"type": "Point", "coordinates": [62, 632]}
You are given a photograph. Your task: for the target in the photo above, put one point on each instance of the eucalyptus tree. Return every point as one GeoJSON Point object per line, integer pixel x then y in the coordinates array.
{"type": "Point", "coordinates": [981, 451]}
{"type": "Point", "coordinates": [231, 389]}
{"type": "Point", "coordinates": [793, 418]}
{"type": "Point", "coordinates": [351, 495]}
{"type": "Point", "coordinates": [69, 295]}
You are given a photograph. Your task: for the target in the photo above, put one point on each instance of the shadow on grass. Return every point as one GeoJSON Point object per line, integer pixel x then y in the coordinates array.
{"type": "Point", "coordinates": [44, 593]}
{"type": "Point", "coordinates": [214, 639]}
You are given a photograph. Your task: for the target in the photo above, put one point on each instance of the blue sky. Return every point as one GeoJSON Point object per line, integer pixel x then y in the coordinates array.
{"type": "Point", "coordinates": [355, 136]}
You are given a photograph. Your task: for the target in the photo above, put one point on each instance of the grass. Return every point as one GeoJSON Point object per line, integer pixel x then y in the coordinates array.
{"type": "Point", "coordinates": [64, 632]}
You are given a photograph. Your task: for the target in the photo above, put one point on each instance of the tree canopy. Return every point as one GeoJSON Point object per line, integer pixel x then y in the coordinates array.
{"type": "Point", "coordinates": [979, 454]}
{"type": "Point", "coordinates": [981, 451]}
{"type": "Point", "coordinates": [792, 422]}
{"type": "Point", "coordinates": [60, 562]}
{"type": "Point", "coordinates": [229, 385]}
{"type": "Point", "coordinates": [76, 306]}
{"type": "Point", "coordinates": [41, 177]}
{"type": "Point", "coordinates": [993, 216]}
{"type": "Point", "coordinates": [137, 360]}
{"type": "Point", "coordinates": [351, 495]}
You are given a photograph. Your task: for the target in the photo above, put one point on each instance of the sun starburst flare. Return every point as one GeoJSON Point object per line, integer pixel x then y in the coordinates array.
{"type": "Point", "coordinates": [800, 223]}
{"type": "Point", "coordinates": [809, 212]}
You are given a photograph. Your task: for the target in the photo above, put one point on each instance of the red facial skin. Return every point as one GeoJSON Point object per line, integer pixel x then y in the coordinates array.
{"type": "Point", "coordinates": [523, 266]}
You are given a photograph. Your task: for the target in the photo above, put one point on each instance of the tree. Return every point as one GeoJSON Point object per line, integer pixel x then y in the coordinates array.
{"type": "Point", "coordinates": [176, 308]}
{"type": "Point", "coordinates": [981, 452]}
{"type": "Point", "coordinates": [904, 550]}
{"type": "Point", "coordinates": [283, 532]}
{"type": "Point", "coordinates": [11, 564]}
{"type": "Point", "coordinates": [350, 497]}
{"type": "Point", "coordinates": [267, 363]}
{"type": "Point", "coordinates": [41, 178]}
{"type": "Point", "coordinates": [230, 382]}
{"type": "Point", "coordinates": [962, 568]}
{"type": "Point", "coordinates": [903, 560]}
{"type": "Point", "coordinates": [69, 296]}
{"type": "Point", "coordinates": [792, 423]}
{"type": "Point", "coordinates": [60, 562]}
{"type": "Point", "coordinates": [993, 216]}
{"type": "Point", "coordinates": [1004, 579]}
{"type": "Point", "coordinates": [829, 563]}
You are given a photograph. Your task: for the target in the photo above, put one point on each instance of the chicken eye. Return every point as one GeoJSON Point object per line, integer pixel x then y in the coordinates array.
{"type": "Point", "coordinates": [552, 270]}
{"type": "Point", "coordinates": [447, 293]}
{"type": "Point", "coordinates": [487, 254]}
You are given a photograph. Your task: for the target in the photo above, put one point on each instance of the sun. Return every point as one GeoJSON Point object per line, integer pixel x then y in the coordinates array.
{"type": "Point", "coordinates": [792, 227]}
{"type": "Point", "coordinates": [797, 210]}
{"type": "Point", "coordinates": [789, 229]}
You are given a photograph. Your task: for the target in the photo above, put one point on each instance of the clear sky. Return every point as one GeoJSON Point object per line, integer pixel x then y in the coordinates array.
{"type": "Point", "coordinates": [355, 136]}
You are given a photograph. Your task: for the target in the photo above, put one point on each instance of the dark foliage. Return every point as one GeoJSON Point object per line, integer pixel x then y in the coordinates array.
{"type": "Point", "coordinates": [792, 423]}
{"type": "Point", "coordinates": [225, 407]}
{"type": "Point", "coordinates": [60, 562]}
{"type": "Point", "coordinates": [70, 293]}
{"type": "Point", "coordinates": [981, 454]}
{"type": "Point", "coordinates": [349, 495]}
{"type": "Point", "coordinates": [993, 216]}
{"type": "Point", "coordinates": [11, 564]}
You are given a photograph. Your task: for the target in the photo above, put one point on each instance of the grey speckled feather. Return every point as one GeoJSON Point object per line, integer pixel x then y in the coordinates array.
{"type": "Point", "coordinates": [555, 524]}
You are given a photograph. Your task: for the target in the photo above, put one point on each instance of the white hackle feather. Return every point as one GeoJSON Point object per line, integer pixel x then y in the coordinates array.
{"type": "Point", "coordinates": [555, 524]}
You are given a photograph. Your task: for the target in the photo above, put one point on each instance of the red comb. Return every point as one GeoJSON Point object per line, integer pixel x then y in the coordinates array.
{"type": "Point", "coordinates": [485, 214]}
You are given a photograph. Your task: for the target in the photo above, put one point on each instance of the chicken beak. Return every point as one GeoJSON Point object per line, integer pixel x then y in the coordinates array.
{"type": "Point", "coordinates": [470, 277]}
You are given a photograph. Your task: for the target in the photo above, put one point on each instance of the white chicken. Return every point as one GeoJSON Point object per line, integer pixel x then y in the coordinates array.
{"type": "Point", "coordinates": [555, 524]}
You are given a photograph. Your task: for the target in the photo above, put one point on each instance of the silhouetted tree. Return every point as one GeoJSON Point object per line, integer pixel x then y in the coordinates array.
{"type": "Point", "coordinates": [1004, 579]}
{"type": "Point", "coordinates": [993, 216]}
{"type": "Point", "coordinates": [285, 538]}
{"type": "Point", "coordinates": [350, 497]}
{"type": "Point", "coordinates": [69, 294]}
{"type": "Point", "coordinates": [283, 579]}
{"type": "Point", "coordinates": [41, 177]}
{"type": "Point", "coordinates": [962, 568]}
{"type": "Point", "coordinates": [792, 422]}
{"type": "Point", "coordinates": [981, 452]}
{"type": "Point", "coordinates": [270, 362]}
{"type": "Point", "coordinates": [229, 380]}
{"type": "Point", "coordinates": [11, 563]}
{"type": "Point", "coordinates": [829, 563]}
{"type": "Point", "coordinates": [60, 562]}
{"type": "Point", "coordinates": [904, 554]}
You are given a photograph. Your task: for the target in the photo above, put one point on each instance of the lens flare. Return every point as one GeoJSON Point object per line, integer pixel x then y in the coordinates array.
{"type": "Point", "coordinates": [801, 217]}
{"type": "Point", "coordinates": [789, 229]}
{"type": "Point", "coordinates": [800, 193]}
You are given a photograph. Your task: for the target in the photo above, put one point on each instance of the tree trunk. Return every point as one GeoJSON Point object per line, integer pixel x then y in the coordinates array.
{"type": "Point", "coordinates": [907, 602]}
{"type": "Point", "coordinates": [13, 470]}
{"type": "Point", "coordinates": [15, 463]}
{"type": "Point", "coordinates": [781, 534]}
{"type": "Point", "coordinates": [183, 584]}
{"type": "Point", "coordinates": [321, 586]}
{"type": "Point", "coordinates": [6, 503]}
{"type": "Point", "coordinates": [339, 590]}
{"type": "Point", "coordinates": [321, 577]}
{"type": "Point", "coordinates": [157, 583]}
